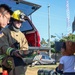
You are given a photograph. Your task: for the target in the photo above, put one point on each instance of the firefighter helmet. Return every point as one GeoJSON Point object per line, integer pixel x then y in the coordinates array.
{"type": "Point", "coordinates": [18, 15]}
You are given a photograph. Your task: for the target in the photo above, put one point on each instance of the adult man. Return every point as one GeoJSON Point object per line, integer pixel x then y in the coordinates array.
{"type": "Point", "coordinates": [15, 46]}
{"type": "Point", "coordinates": [5, 14]}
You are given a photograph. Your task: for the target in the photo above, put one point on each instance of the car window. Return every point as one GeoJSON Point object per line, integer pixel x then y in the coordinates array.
{"type": "Point", "coordinates": [26, 26]}
{"type": "Point", "coordinates": [43, 57]}
{"type": "Point", "coordinates": [26, 7]}
{"type": "Point", "coordinates": [47, 57]}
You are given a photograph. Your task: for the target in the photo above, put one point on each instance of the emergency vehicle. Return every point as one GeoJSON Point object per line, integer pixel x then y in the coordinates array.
{"type": "Point", "coordinates": [28, 27]}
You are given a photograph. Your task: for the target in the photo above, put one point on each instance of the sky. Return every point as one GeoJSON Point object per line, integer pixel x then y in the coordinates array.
{"type": "Point", "coordinates": [57, 17]}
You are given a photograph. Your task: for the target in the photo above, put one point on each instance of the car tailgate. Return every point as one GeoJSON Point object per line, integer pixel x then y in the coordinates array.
{"type": "Point", "coordinates": [27, 7]}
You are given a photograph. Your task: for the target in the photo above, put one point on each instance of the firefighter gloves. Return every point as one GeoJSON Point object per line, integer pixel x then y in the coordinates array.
{"type": "Point", "coordinates": [25, 53]}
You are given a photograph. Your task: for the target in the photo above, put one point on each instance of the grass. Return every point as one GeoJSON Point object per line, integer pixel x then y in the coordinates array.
{"type": "Point", "coordinates": [34, 70]}
{"type": "Point", "coordinates": [45, 66]}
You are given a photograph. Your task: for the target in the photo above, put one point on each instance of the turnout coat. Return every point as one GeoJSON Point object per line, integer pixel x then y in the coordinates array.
{"type": "Point", "coordinates": [11, 40]}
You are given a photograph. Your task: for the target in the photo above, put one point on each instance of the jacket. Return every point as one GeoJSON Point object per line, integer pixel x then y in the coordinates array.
{"type": "Point", "coordinates": [11, 40]}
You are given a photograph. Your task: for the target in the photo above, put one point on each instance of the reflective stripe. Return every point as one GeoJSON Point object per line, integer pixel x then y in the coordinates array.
{"type": "Point", "coordinates": [0, 62]}
{"type": "Point", "coordinates": [9, 50]}
{"type": "Point", "coordinates": [1, 57]}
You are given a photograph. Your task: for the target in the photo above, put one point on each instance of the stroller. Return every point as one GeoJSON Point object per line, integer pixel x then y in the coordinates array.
{"type": "Point", "coordinates": [59, 72]}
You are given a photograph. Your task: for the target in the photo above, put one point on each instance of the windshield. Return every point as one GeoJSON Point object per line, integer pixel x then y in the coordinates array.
{"type": "Point", "coordinates": [46, 57]}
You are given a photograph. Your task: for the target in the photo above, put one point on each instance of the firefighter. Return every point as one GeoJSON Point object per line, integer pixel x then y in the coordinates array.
{"type": "Point", "coordinates": [5, 14]}
{"type": "Point", "coordinates": [14, 45]}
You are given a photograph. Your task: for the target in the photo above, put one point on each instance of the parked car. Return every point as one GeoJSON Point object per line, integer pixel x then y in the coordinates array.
{"type": "Point", "coordinates": [46, 60]}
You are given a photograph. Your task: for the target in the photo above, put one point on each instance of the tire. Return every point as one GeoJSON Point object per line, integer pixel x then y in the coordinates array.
{"type": "Point", "coordinates": [53, 62]}
{"type": "Point", "coordinates": [54, 73]}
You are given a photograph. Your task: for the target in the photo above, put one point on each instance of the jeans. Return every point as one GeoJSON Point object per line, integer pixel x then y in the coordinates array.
{"type": "Point", "coordinates": [71, 73]}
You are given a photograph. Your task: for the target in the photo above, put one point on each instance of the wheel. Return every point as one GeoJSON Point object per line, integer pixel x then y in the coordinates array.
{"type": "Point", "coordinates": [54, 62]}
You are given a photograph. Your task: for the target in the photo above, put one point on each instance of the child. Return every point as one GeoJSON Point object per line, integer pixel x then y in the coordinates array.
{"type": "Point", "coordinates": [67, 62]}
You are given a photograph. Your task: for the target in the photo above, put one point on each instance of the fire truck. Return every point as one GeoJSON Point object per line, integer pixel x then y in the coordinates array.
{"type": "Point", "coordinates": [28, 28]}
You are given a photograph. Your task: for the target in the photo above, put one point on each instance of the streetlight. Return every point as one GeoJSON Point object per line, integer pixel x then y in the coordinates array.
{"type": "Point", "coordinates": [49, 31]}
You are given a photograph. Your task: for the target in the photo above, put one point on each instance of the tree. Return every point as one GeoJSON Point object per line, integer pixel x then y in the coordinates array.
{"type": "Point", "coordinates": [43, 42]}
{"type": "Point", "coordinates": [70, 37]}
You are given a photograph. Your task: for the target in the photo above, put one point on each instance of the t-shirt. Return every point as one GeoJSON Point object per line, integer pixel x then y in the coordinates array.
{"type": "Point", "coordinates": [68, 62]}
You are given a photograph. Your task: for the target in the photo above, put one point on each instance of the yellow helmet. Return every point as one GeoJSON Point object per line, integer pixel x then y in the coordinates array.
{"type": "Point", "coordinates": [18, 15]}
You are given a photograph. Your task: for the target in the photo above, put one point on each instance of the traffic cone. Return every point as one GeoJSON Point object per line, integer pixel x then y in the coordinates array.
{"type": "Point", "coordinates": [5, 72]}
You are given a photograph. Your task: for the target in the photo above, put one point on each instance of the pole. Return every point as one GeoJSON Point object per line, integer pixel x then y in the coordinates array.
{"type": "Point", "coordinates": [49, 30]}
